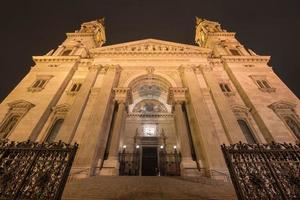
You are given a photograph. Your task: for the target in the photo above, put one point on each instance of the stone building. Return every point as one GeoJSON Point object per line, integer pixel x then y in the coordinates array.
{"type": "Point", "coordinates": [151, 102]}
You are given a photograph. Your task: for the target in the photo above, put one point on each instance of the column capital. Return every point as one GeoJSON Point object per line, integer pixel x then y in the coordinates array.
{"type": "Point", "coordinates": [105, 68]}
{"type": "Point", "coordinates": [95, 67]}
{"type": "Point", "coordinates": [183, 68]}
{"type": "Point", "coordinates": [177, 95]}
{"type": "Point", "coordinates": [123, 95]}
{"type": "Point", "coordinates": [195, 68]}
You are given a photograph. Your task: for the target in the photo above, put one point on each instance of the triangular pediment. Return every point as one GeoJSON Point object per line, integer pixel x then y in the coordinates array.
{"type": "Point", "coordinates": [150, 46]}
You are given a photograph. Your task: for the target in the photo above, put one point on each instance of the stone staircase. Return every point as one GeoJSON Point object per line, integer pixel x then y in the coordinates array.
{"type": "Point", "coordinates": [147, 188]}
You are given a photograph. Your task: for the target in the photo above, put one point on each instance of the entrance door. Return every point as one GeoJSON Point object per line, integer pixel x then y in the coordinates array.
{"type": "Point", "coordinates": [149, 161]}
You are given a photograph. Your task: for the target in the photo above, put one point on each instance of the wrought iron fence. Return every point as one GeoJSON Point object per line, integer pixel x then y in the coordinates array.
{"type": "Point", "coordinates": [169, 163]}
{"type": "Point", "coordinates": [31, 170]}
{"type": "Point", "coordinates": [264, 171]}
{"type": "Point", "coordinates": [129, 163]}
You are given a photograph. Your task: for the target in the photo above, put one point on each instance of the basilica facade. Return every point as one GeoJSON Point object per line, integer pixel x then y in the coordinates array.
{"type": "Point", "coordinates": [151, 107]}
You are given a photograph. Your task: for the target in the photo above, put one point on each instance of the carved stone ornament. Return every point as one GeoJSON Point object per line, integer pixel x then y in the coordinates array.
{"type": "Point", "coordinates": [151, 47]}
{"type": "Point", "coordinates": [20, 105]}
{"type": "Point", "coordinates": [282, 105]}
{"type": "Point", "coordinates": [177, 95]}
{"type": "Point", "coordinates": [123, 95]}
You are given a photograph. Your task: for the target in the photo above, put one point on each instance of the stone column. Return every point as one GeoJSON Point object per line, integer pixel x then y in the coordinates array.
{"type": "Point", "coordinates": [111, 165]}
{"type": "Point", "coordinates": [188, 167]}
{"type": "Point", "coordinates": [93, 143]}
{"type": "Point", "coordinates": [228, 119]}
{"type": "Point", "coordinates": [72, 119]}
{"type": "Point", "coordinates": [204, 134]}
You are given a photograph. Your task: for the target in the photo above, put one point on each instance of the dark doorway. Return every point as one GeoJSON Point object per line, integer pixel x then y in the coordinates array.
{"type": "Point", "coordinates": [149, 161]}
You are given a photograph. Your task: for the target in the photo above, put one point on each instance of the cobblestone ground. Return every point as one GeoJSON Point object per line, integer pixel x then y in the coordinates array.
{"type": "Point", "coordinates": [147, 188]}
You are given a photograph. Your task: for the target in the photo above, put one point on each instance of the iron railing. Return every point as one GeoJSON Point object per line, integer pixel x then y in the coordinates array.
{"type": "Point", "coordinates": [169, 163]}
{"type": "Point", "coordinates": [264, 171]}
{"type": "Point", "coordinates": [30, 170]}
{"type": "Point", "coordinates": [130, 163]}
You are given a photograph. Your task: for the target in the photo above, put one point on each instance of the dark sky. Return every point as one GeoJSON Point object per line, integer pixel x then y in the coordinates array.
{"type": "Point", "coordinates": [34, 27]}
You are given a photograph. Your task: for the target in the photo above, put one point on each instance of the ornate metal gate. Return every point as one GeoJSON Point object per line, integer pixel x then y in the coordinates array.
{"type": "Point", "coordinates": [264, 171]}
{"type": "Point", "coordinates": [30, 170]}
{"type": "Point", "coordinates": [169, 163]}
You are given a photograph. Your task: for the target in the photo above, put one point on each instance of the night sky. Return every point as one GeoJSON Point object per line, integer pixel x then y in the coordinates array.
{"type": "Point", "coordinates": [35, 27]}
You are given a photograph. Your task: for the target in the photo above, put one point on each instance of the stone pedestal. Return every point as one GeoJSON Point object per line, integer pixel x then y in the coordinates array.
{"type": "Point", "coordinates": [188, 167]}
{"type": "Point", "coordinates": [110, 167]}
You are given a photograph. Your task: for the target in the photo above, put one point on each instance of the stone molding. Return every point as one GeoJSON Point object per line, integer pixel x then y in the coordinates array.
{"type": "Point", "coordinates": [246, 59]}
{"type": "Point", "coordinates": [222, 34]}
{"type": "Point", "coordinates": [177, 95]}
{"type": "Point", "coordinates": [49, 59]}
{"type": "Point", "coordinates": [77, 35]}
{"type": "Point", "coordinates": [20, 105]}
{"type": "Point", "coordinates": [150, 115]}
{"type": "Point", "coordinates": [61, 110]}
{"type": "Point", "coordinates": [282, 105]}
{"type": "Point", "coordinates": [123, 95]}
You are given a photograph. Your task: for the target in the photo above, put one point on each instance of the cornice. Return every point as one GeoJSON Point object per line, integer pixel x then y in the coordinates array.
{"type": "Point", "coordinates": [150, 115]}
{"type": "Point", "coordinates": [49, 59]}
{"type": "Point", "coordinates": [149, 54]}
{"type": "Point", "coordinates": [246, 59]}
{"type": "Point", "coordinates": [70, 35]}
{"type": "Point", "coordinates": [224, 34]}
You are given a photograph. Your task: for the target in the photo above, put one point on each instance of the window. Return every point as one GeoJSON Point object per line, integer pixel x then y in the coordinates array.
{"type": "Point", "coordinates": [39, 83]}
{"type": "Point", "coordinates": [66, 52]}
{"type": "Point", "coordinates": [262, 83]}
{"type": "Point", "coordinates": [234, 52]}
{"type": "Point", "coordinates": [54, 130]}
{"type": "Point", "coordinates": [75, 87]}
{"type": "Point", "coordinates": [8, 125]}
{"type": "Point", "coordinates": [17, 110]}
{"type": "Point", "coordinates": [293, 125]}
{"type": "Point", "coordinates": [286, 112]}
{"type": "Point", "coordinates": [58, 115]}
{"type": "Point", "coordinates": [246, 123]}
{"type": "Point", "coordinates": [247, 131]}
{"type": "Point", "coordinates": [226, 89]}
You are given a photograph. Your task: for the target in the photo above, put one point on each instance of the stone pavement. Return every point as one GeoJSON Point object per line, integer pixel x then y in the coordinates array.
{"type": "Point", "coordinates": [147, 188]}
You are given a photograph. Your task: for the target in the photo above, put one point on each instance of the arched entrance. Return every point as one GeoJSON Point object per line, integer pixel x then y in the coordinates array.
{"type": "Point", "coordinates": [149, 136]}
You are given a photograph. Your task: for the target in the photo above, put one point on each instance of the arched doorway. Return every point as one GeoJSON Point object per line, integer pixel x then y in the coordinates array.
{"type": "Point", "coordinates": [149, 140]}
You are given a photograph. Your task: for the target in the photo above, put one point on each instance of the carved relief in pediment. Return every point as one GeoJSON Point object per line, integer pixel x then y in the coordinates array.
{"type": "Point", "coordinates": [150, 46]}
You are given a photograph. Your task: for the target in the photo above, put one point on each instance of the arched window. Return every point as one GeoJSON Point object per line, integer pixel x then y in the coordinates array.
{"type": "Point", "coordinates": [54, 130]}
{"type": "Point", "coordinates": [8, 125]}
{"type": "Point", "coordinates": [247, 131]}
{"type": "Point", "coordinates": [66, 52]}
{"type": "Point", "coordinates": [292, 124]}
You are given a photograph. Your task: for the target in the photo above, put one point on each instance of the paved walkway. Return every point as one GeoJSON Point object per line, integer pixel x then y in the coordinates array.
{"type": "Point", "coordinates": [147, 188]}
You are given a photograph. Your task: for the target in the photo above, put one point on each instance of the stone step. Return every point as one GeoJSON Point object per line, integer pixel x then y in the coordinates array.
{"type": "Point", "coordinates": [147, 188]}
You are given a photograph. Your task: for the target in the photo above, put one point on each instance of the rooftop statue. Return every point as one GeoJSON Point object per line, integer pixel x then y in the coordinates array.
{"type": "Point", "coordinates": [204, 27]}
{"type": "Point", "coordinates": [96, 27]}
